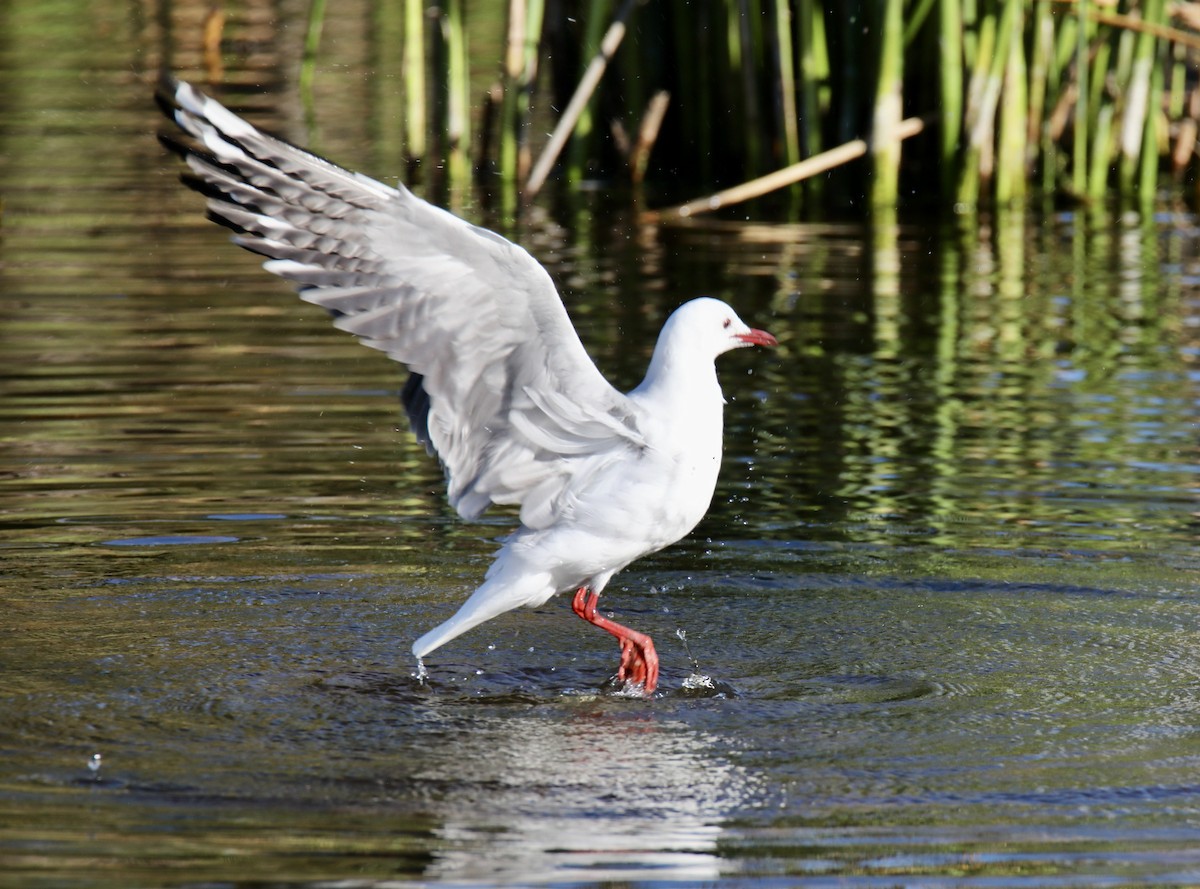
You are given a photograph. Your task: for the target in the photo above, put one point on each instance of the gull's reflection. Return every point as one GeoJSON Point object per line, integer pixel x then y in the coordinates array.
{"type": "Point", "coordinates": [534, 798]}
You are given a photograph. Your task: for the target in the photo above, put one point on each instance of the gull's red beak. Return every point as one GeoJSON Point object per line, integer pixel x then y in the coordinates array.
{"type": "Point", "coordinates": [757, 338]}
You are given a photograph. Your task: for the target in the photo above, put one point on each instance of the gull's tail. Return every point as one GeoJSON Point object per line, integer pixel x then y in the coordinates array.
{"type": "Point", "coordinates": [497, 595]}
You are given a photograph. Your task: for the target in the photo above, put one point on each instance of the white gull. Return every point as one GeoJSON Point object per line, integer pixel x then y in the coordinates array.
{"type": "Point", "coordinates": [501, 388]}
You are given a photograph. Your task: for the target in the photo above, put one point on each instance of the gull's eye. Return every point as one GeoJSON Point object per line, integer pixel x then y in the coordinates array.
{"type": "Point", "coordinates": [728, 321]}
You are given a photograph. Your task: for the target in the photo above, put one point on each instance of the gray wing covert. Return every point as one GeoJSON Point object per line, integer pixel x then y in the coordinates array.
{"type": "Point", "coordinates": [507, 396]}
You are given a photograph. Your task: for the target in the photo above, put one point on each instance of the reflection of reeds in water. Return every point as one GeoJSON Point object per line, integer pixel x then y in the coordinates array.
{"type": "Point", "coordinates": [1080, 98]}
{"type": "Point", "coordinates": [917, 366]}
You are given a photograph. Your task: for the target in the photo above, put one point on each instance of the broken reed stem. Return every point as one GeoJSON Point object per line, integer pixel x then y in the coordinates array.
{"type": "Point", "coordinates": [818, 163]}
{"type": "Point", "coordinates": [587, 86]}
{"type": "Point", "coordinates": [1189, 39]}
{"type": "Point", "coordinates": [639, 155]}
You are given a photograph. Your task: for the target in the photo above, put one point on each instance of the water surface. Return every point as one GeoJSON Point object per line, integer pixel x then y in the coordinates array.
{"type": "Point", "coordinates": [946, 591]}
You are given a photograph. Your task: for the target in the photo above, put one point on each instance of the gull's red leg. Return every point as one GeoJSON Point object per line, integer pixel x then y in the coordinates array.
{"type": "Point", "coordinates": [639, 660]}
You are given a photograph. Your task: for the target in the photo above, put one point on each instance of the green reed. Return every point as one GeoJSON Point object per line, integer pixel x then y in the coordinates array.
{"type": "Point", "coordinates": [415, 109]}
{"type": "Point", "coordinates": [1071, 98]}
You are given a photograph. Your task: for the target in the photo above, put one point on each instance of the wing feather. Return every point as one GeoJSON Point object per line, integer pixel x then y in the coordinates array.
{"type": "Point", "coordinates": [501, 387]}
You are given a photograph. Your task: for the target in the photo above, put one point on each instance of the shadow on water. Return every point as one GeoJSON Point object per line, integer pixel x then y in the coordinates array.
{"type": "Point", "coordinates": [946, 594]}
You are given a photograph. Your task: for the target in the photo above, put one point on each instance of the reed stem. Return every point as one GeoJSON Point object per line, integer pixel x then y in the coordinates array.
{"type": "Point", "coordinates": [950, 79]}
{"type": "Point", "coordinates": [458, 99]}
{"type": "Point", "coordinates": [587, 86]}
{"type": "Point", "coordinates": [1058, 94]}
{"type": "Point", "coordinates": [885, 146]}
{"type": "Point", "coordinates": [415, 115]}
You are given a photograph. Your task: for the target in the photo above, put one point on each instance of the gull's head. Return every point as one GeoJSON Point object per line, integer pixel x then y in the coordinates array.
{"type": "Point", "coordinates": [710, 325]}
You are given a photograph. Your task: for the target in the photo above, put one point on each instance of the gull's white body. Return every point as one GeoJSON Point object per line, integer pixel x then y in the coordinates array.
{"type": "Point", "coordinates": [506, 395]}
{"type": "Point", "coordinates": [620, 505]}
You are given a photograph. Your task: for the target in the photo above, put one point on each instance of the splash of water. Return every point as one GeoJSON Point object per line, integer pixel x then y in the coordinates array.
{"type": "Point", "coordinates": [682, 634]}
{"type": "Point", "coordinates": [700, 684]}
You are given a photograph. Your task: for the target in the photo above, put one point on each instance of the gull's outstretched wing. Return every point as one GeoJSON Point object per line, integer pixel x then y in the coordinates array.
{"type": "Point", "coordinates": [502, 389]}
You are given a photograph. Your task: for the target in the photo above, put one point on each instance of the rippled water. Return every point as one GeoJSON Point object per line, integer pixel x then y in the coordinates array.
{"type": "Point", "coordinates": [947, 592]}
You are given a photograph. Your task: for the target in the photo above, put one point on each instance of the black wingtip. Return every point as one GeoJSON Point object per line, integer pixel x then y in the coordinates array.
{"type": "Point", "coordinates": [202, 186]}
{"type": "Point", "coordinates": [166, 97]}
{"type": "Point", "coordinates": [174, 145]}
{"type": "Point", "coordinates": [213, 214]}
{"type": "Point", "coordinates": [167, 82]}
{"type": "Point", "coordinates": [165, 93]}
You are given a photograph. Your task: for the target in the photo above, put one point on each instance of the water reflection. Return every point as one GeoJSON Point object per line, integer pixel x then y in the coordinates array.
{"type": "Point", "coordinates": [950, 571]}
{"type": "Point", "coordinates": [601, 794]}
{"type": "Point", "coordinates": [985, 371]}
